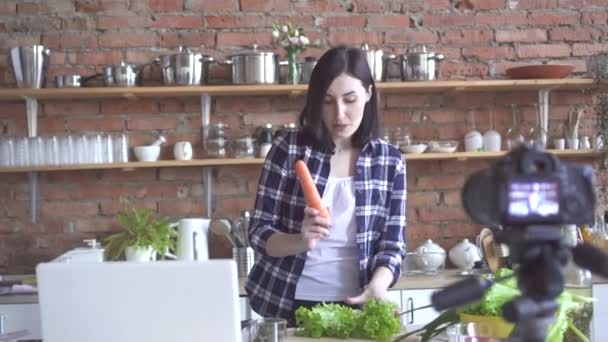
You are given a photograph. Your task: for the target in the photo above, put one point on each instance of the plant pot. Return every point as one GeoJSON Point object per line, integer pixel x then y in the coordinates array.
{"type": "Point", "coordinates": [139, 254]}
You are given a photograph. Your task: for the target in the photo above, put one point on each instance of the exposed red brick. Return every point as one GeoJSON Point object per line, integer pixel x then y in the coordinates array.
{"type": "Point", "coordinates": [551, 18]}
{"type": "Point", "coordinates": [71, 108]}
{"type": "Point", "coordinates": [529, 35]}
{"type": "Point", "coordinates": [319, 6]}
{"type": "Point", "coordinates": [449, 70]}
{"type": "Point", "coordinates": [535, 4]}
{"type": "Point", "coordinates": [573, 35]}
{"type": "Point", "coordinates": [467, 37]}
{"type": "Point", "coordinates": [77, 23]}
{"type": "Point", "coordinates": [166, 5]}
{"type": "Point", "coordinates": [588, 49]}
{"type": "Point", "coordinates": [571, 3]}
{"type": "Point", "coordinates": [487, 4]}
{"type": "Point", "coordinates": [100, 5]}
{"type": "Point", "coordinates": [121, 21]}
{"type": "Point", "coordinates": [99, 58]}
{"type": "Point", "coordinates": [343, 21]}
{"type": "Point", "coordinates": [2, 27]}
{"type": "Point", "coordinates": [543, 50]}
{"type": "Point", "coordinates": [597, 3]}
{"type": "Point", "coordinates": [168, 122]}
{"type": "Point", "coordinates": [595, 18]}
{"type": "Point", "coordinates": [389, 21]}
{"type": "Point", "coordinates": [415, 36]}
{"type": "Point", "coordinates": [177, 21]}
{"type": "Point", "coordinates": [447, 20]}
{"type": "Point", "coordinates": [8, 7]}
{"type": "Point", "coordinates": [490, 52]}
{"type": "Point", "coordinates": [232, 21]}
{"type": "Point", "coordinates": [242, 39]}
{"type": "Point", "coordinates": [501, 19]}
{"type": "Point", "coordinates": [175, 39]}
{"type": "Point", "coordinates": [181, 207]}
{"type": "Point", "coordinates": [364, 6]}
{"type": "Point", "coordinates": [436, 214]}
{"type": "Point", "coordinates": [264, 5]}
{"type": "Point", "coordinates": [355, 37]}
{"type": "Point", "coordinates": [96, 124]}
{"type": "Point", "coordinates": [64, 40]}
{"type": "Point", "coordinates": [69, 209]}
{"type": "Point", "coordinates": [48, 126]}
{"type": "Point", "coordinates": [206, 6]}
{"type": "Point", "coordinates": [128, 39]}
{"type": "Point", "coordinates": [129, 107]}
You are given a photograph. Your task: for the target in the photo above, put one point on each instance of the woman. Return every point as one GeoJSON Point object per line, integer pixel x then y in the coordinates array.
{"type": "Point", "coordinates": [356, 254]}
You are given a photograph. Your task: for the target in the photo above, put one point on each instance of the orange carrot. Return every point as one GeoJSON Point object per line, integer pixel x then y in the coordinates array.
{"type": "Point", "coordinates": [310, 190]}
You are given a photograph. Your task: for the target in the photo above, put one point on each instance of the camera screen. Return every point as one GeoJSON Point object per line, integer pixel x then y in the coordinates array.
{"type": "Point", "coordinates": [533, 199]}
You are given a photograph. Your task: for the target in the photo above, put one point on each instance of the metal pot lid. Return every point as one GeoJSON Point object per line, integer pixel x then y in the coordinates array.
{"type": "Point", "coordinates": [122, 64]}
{"type": "Point", "coordinates": [253, 52]}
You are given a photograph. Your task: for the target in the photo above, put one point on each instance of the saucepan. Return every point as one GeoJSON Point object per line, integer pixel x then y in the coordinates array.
{"type": "Point", "coordinates": [73, 80]}
{"type": "Point", "coordinates": [185, 67]}
{"type": "Point", "coordinates": [124, 74]}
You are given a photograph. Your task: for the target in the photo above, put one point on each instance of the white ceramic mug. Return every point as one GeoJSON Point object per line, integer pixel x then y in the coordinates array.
{"type": "Point", "coordinates": [559, 143]}
{"type": "Point", "coordinates": [182, 150]}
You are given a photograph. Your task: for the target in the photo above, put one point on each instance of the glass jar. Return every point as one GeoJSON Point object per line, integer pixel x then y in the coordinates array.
{"type": "Point", "coordinates": [217, 148]}
{"type": "Point", "coordinates": [244, 147]}
{"type": "Point", "coordinates": [264, 140]}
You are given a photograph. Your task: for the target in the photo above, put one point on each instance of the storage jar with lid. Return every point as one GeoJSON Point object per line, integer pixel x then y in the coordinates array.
{"type": "Point", "coordinates": [254, 67]}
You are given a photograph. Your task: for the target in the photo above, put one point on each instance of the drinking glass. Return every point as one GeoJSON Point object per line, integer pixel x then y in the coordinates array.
{"type": "Point", "coordinates": [120, 144]}
{"type": "Point", "coordinates": [491, 138]}
{"type": "Point", "coordinates": [537, 136]}
{"type": "Point", "coordinates": [22, 152]}
{"type": "Point", "coordinates": [7, 152]}
{"type": "Point", "coordinates": [514, 138]}
{"type": "Point", "coordinates": [473, 140]}
{"type": "Point", "coordinates": [51, 147]}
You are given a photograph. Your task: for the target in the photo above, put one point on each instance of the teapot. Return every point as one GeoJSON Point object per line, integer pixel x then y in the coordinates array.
{"type": "Point", "coordinates": [464, 255]}
{"type": "Point", "coordinates": [431, 257]}
{"type": "Point", "coordinates": [192, 236]}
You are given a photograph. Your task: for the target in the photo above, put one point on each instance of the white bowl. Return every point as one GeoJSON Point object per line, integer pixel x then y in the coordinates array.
{"type": "Point", "coordinates": [147, 153]}
{"type": "Point", "coordinates": [414, 148]}
{"type": "Point", "coordinates": [443, 146]}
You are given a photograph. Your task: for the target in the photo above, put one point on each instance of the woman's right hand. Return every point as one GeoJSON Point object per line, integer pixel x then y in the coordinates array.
{"type": "Point", "coordinates": [314, 228]}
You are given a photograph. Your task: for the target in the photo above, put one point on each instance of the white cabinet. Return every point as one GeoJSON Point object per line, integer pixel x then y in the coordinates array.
{"type": "Point", "coordinates": [412, 299]}
{"type": "Point", "coordinates": [394, 296]}
{"type": "Point", "coordinates": [22, 317]}
{"type": "Point", "coordinates": [600, 312]}
{"type": "Point", "coordinates": [246, 312]}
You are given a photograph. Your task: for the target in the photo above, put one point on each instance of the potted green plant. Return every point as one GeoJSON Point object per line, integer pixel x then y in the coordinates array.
{"type": "Point", "coordinates": [142, 236]}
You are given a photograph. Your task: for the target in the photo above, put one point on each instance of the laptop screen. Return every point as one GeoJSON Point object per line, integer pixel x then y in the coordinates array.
{"type": "Point", "coordinates": [149, 302]}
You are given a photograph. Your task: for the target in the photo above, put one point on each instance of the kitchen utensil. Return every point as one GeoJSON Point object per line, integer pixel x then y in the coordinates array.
{"type": "Point", "coordinates": [182, 150]}
{"type": "Point", "coordinates": [73, 80]}
{"type": "Point", "coordinates": [244, 258]}
{"type": "Point", "coordinates": [491, 138]}
{"type": "Point", "coordinates": [494, 254]}
{"type": "Point", "coordinates": [254, 67]}
{"type": "Point", "coordinates": [432, 257]}
{"type": "Point", "coordinates": [241, 227]}
{"type": "Point", "coordinates": [223, 227]}
{"type": "Point", "coordinates": [146, 153]}
{"type": "Point", "coordinates": [420, 65]}
{"type": "Point", "coordinates": [464, 255]}
{"type": "Point", "coordinates": [192, 237]}
{"type": "Point", "coordinates": [185, 67]}
{"type": "Point", "coordinates": [30, 64]}
{"type": "Point", "coordinates": [540, 71]}
{"type": "Point", "coordinates": [124, 74]}
{"type": "Point", "coordinates": [443, 146]}
{"type": "Point", "coordinates": [377, 60]}
{"type": "Point", "coordinates": [307, 66]}
{"type": "Point", "coordinates": [265, 330]}
{"type": "Point", "coordinates": [159, 141]}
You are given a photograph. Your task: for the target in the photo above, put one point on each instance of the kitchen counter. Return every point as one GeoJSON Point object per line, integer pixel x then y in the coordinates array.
{"type": "Point", "coordinates": [292, 338]}
{"type": "Point", "coordinates": [405, 283]}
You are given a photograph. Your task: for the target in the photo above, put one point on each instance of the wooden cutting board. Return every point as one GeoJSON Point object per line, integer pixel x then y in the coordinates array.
{"type": "Point", "coordinates": [292, 338]}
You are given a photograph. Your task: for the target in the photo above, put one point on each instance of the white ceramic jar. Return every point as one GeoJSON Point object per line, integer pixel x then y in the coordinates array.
{"type": "Point", "coordinates": [431, 257]}
{"type": "Point", "coordinates": [464, 255]}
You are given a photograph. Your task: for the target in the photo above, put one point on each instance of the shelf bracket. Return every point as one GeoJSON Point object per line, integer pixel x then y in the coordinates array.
{"type": "Point", "coordinates": [31, 106]}
{"type": "Point", "coordinates": [207, 170]}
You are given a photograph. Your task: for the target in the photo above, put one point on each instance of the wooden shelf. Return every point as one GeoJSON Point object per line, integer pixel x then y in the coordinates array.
{"type": "Point", "coordinates": [9, 94]}
{"type": "Point", "coordinates": [258, 161]}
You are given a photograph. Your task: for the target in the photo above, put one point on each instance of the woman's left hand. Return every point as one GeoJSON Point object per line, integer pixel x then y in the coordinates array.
{"type": "Point", "coordinates": [371, 291]}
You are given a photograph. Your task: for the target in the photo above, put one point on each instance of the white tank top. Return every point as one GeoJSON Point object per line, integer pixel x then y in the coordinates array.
{"type": "Point", "coordinates": [331, 271]}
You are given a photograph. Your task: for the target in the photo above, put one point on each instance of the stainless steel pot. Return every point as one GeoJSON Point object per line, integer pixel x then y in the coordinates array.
{"type": "Point", "coordinates": [29, 65]}
{"type": "Point", "coordinates": [377, 61]}
{"type": "Point", "coordinates": [307, 67]}
{"type": "Point", "coordinates": [73, 80]}
{"type": "Point", "coordinates": [420, 65]}
{"type": "Point", "coordinates": [254, 67]}
{"type": "Point", "coordinates": [124, 74]}
{"type": "Point", "coordinates": [185, 68]}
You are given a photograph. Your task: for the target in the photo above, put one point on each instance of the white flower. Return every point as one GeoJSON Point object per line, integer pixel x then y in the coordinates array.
{"type": "Point", "coordinates": [284, 28]}
{"type": "Point", "coordinates": [285, 43]}
{"type": "Point", "coordinates": [275, 34]}
{"type": "Point", "coordinates": [304, 41]}
{"type": "Point", "coordinates": [294, 40]}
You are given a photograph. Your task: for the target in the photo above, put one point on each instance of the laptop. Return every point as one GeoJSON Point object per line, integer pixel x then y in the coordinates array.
{"type": "Point", "coordinates": [139, 302]}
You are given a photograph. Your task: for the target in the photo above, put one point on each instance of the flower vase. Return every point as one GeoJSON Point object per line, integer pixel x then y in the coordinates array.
{"type": "Point", "coordinates": [293, 68]}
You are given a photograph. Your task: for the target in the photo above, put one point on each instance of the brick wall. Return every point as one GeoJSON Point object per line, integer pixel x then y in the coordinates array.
{"type": "Point", "coordinates": [480, 38]}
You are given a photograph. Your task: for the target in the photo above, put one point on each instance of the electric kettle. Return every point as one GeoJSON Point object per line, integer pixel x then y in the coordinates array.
{"type": "Point", "coordinates": [192, 234]}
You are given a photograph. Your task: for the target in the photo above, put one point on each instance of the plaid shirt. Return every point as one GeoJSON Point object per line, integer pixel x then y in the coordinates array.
{"type": "Point", "coordinates": [380, 194]}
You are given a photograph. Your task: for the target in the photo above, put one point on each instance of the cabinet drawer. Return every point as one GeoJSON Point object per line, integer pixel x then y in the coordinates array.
{"type": "Point", "coordinates": [415, 299]}
{"type": "Point", "coordinates": [22, 317]}
{"type": "Point", "coordinates": [600, 312]}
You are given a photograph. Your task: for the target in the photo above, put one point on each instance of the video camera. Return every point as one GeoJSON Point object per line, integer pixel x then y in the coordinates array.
{"type": "Point", "coordinates": [530, 194]}
{"type": "Point", "coordinates": [529, 187]}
